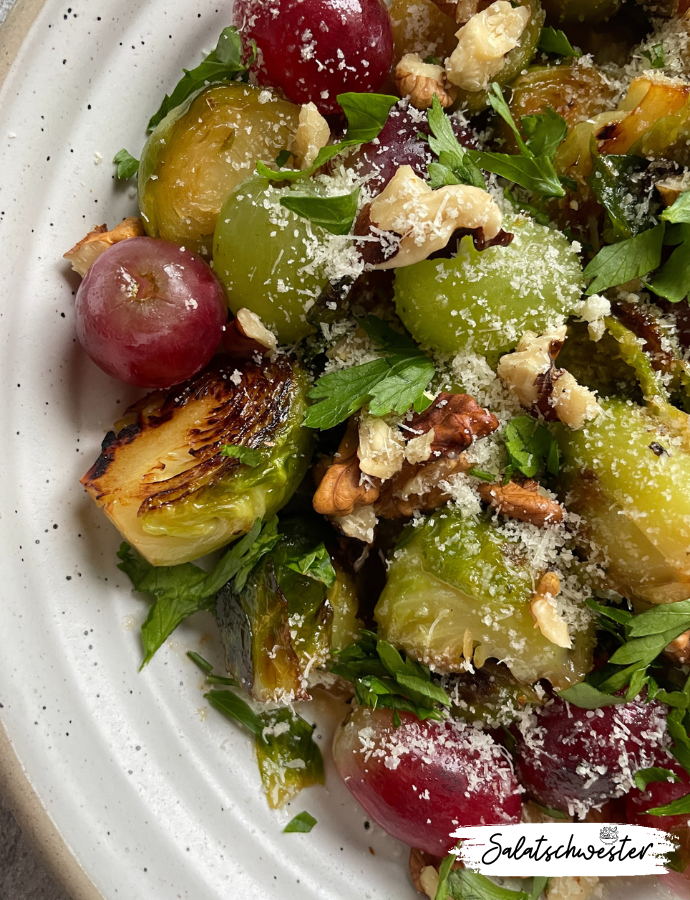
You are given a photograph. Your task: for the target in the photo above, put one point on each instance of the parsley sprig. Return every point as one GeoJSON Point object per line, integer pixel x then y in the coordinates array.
{"type": "Point", "coordinates": [531, 447]}
{"type": "Point", "coordinates": [454, 166]}
{"type": "Point", "coordinates": [552, 40]}
{"type": "Point", "coordinates": [392, 383]}
{"type": "Point", "coordinates": [334, 214]}
{"type": "Point", "coordinates": [384, 677]}
{"type": "Point", "coordinates": [127, 165]}
{"type": "Point", "coordinates": [315, 564]}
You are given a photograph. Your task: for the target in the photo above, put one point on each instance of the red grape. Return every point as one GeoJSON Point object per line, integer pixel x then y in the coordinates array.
{"type": "Point", "coordinates": [575, 759]}
{"type": "Point", "coordinates": [399, 144]}
{"type": "Point", "coordinates": [316, 49]}
{"type": "Point", "coordinates": [423, 780]}
{"type": "Point", "coordinates": [150, 313]}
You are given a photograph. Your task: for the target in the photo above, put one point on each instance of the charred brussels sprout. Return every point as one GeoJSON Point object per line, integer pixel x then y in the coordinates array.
{"type": "Point", "coordinates": [201, 151]}
{"type": "Point", "coordinates": [628, 476]}
{"type": "Point", "coordinates": [491, 695]}
{"type": "Point", "coordinates": [164, 480]}
{"type": "Point", "coordinates": [458, 582]}
{"type": "Point", "coordinates": [572, 11]}
{"type": "Point", "coordinates": [262, 254]}
{"type": "Point", "coordinates": [279, 626]}
{"type": "Point", "coordinates": [484, 301]}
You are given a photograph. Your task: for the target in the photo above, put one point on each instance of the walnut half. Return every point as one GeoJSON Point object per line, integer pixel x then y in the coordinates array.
{"type": "Point", "coordinates": [522, 501]}
{"type": "Point", "coordinates": [89, 248]}
{"type": "Point", "coordinates": [420, 81]}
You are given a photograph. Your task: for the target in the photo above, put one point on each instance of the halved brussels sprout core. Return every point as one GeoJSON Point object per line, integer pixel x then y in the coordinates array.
{"type": "Point", "coordinates": [201, 151]}
{"type": "Point", "coordinates": [458, 577]}
{"type": "Point", "coordinates": [163, 480]}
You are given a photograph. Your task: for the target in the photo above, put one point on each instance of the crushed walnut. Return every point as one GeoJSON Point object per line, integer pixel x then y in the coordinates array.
{"type": "Point", "coordinates": [545, 614]}
{"type": "Point", "coordinates": [381, 448]}
{"type": "Point", "coordinates": [571, 887]}
{"type": "Point", "coordinates": [522, 501]}
{"type": "Point", "coordinates": [250, 326]}
{"type": "Point", "coordinates": [456, 420]}
{"type": "Point", "coordinates": [86, 252]}
{"type": "Point", "coordinates": [420, 81]}
{"type": "Point", "coordinates": [342, 488]}
{"type": "Point", "coordinates": [312, 134]}
{"type": "Point", "coordinates": [483, 44]}
{"type": "Point", "coordinates": [421, 487]}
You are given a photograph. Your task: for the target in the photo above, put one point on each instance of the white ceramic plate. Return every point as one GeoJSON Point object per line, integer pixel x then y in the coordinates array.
{"type": "Point", "coordinates": [156, 796]}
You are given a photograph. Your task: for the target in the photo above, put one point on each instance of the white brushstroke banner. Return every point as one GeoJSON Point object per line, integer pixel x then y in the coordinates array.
{"type": "Point", "coordinates": [557, 849]}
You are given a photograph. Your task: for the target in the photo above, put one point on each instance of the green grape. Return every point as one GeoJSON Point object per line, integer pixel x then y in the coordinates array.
{"type": "Point", "coordinates": [456, 575]}
{"type": "Point", "coordinates": [260, 251]}
{"type": "Point", "coordinates": [516, 61]}
{"type": "Point", "coordinates": [484, 301]}
{"type": "Point", "coordinates": [201, 151]}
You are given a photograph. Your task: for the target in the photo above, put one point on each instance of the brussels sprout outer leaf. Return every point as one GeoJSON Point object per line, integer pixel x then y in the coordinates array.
{"type": "Point", "coordinates": [302, 823]}
{"type": "Point", "coordinates": [552, 40]}
{"type": "Point", "coordinates": [626, 260]}
{"type": "Point", "coordinates": [463, 884]}
{"type": "Point", "coordinates": [288, 760]}
{"type": "Point", "coordinates": [127, 165]}
{"type": "Point", "coordinates": [645, 777]}
{"type": "Point", "coordinates": [585, 696]}
{"type": "Point", "coordinates": [335, 214]}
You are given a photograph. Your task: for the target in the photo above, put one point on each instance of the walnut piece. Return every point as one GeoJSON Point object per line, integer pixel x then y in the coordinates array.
{"type": "Point", "coordinates": [340, 490]}
{"type": "Point", "coordinates": [87, 251]}
{"type": "Point", "coordinates": [483, 44]}
{"type": "Point", "coordinates": [571, 887]}
{"type": "Point", "coordinates": [522, 501]}
{"type": "Point", "coordinates": [420, 487]}
{"type": "Point", "coordinates": [679, 650]}
{"type": "Point", "coordinates": [531, 374]}
{"type": "Point", "coordinates": [381, 449]}
{"type": "Point", "coordinates": [312, 134]}
{"type": "Point", "coordinates": [420, 81]}
{"type": "Point", "coordinates": [456, 420]}
{"type": "Point", "coordinates": [424, 219]}
{"type": "Point", "coordinates": [250, 326]}
{"type": "Point", "coordinates": [545, 613]}
{"type": "Point", "coordinates": [358, 524]}
{"type": "Point", "coordinates": [418, 449]}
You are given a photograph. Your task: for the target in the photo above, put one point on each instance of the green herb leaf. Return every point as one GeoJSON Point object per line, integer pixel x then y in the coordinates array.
{"type": "Point", "coordinates": [644, 777]}
{"type": "Point", "coordinates": [222, 64]}
{"type": "Point", "coordinates": [655, 55]}
{"type": "Point", "coordinates": [455, 166]}
{"type": "Point", "coordinates": [432, 60]}
{"type": "Point", "coordinates": [316, 564]}
{"type": "Point", "coordinates": [540, 882]}
{"type": "Point", "coordinates": [391, 384]}
{"type": "Point", "coordinates": [661, 618]}
{"type": "Point", "coordinates": [366, 116]}
{"type": "Point", "coordinates": [622, 616]}
{"type": "Point", "coordinates": [679, 699]}
{"type": "Point", "coordinates": [246, 455]}
{"type": "Point", "coordinates": [645, 648]}
{"type": "Point", "coordinates": [679, 807]}
{"type": "Point", "coordinates": [481, 474]}
{"type": "Point", "coordinates": [610, 182]}
{"type": "Point", "coordinates": [531, 447]}
{"type": "Point", "coordinates": [428, 689]}
{"type": "Point", "coordinates": [464, 884]}
{"type": "Point", "coordinates": [236, 708]}
{"type": "Point", "coordinates": [681, 742]}
{"type": "Point", "coordinates": [282, 158]}
{"type": "Point", "coordinates": [672, 282]}
{"type": "Point", "coordinates": [549, 811]}
{"type": "Point", "coordinates": [544, 132]}
{"type": "Point", "coordinates": [301, 823]}
{"type": "Point", "coordinates": [203, 664]}
{"type": "Point", "coordinates": [222, 679]}
{"type": "Point", "coordinates": [555, 41]}
{"type": "Point", "coordinates": [585, 696]}
{"type": "Point", "coordinates": [334, 214]}
{"type": "Point", "coordinates": [678, 211]}
{"type": "Point", "coordinates": [625, 260]}
{"type": "Point", "coordinates": [443, 872]}
{"type": "Point", "coordinates": [127, 165]}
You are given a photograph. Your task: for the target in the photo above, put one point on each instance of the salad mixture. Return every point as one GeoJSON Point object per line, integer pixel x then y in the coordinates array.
{"type": "Point", "coordinates": [408, 293]}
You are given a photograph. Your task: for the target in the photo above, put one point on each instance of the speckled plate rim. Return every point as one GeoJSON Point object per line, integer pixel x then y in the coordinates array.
{"type": "Point", "coordinates": [15, 787]}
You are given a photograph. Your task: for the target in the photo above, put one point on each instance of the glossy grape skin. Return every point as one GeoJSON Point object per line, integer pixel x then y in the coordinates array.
{"type": "Point", "coordinates": [201, 151]}
{"type": "Point", "coordinates": [484, 301]}
{"type": "Point", "coordinates": [314, 50]}
{"type": "Point", "coordinates": [576, 759]}
{"type": "Point", "coordinates": [418, 789]}
{"type": "Point", "coordinates": [150, 313]}
{"type": "Point", "coordinates": [399, 144]}
{"type": "Point", "coordinates": [258, 254]}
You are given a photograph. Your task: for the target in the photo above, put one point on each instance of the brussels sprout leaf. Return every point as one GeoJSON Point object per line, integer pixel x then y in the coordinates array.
{"type": "Point", "coordinates": [394, 383]}
{"type": "Point", "coordinates": [533, 167]}
{"type": "Point", "coordinates": [552, 40]}
{"type": "Point", "coordinates": [585, 696]}
{"type": "Point", "coordinates": [463, 884]}
{"type": "Point", "coordinates": [183, 590]}
{"type": "Point", "coordinates": [334, 214]}
{"type": "Point", "coordinates": [301, 823]}
{"type": "Point", "coordinates": [127, 165]}
{"type": "Point", "coordinates": [679, 211]}
{"type": "Point", "coordinates": [246, 455]}
{"type": "Point", "coordinates": [222, 64]}
{"type": "Point", "coordinates": [288, 757]}
{"type": "Point", "coordinates": [531, 447]}
{"type": "Point", "coordinates": [645, 777]}
{"type": "Point", "coordinates": [621, 262]}
{"type": "Point", "coordinates": [366, 116]}
{"type": "Point", "coordinates": [454, 165]}
{"type": "Point", "coordinates": [316, 564]}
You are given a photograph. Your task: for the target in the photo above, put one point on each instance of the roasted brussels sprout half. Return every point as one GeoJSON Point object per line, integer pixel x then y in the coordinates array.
{"type": "Point", "coordinates": [164, 480]}
{"type": "Point", "coordinates": [484, 301]}
{"type": "Point", "coordinates": [201, 151]}
{"type": "Point", "coordinates": [280, 625]}
{"type": "Point", "coordinates": [491, 695]}
{"type": "Point", "coordinates": [572, 11]}
{"type": "Point", "coordinates": [262, 255]}
{"type": "Point", "coordinates": [457, 583]}
{"type": "Point", "coordinates": [419, 26]}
